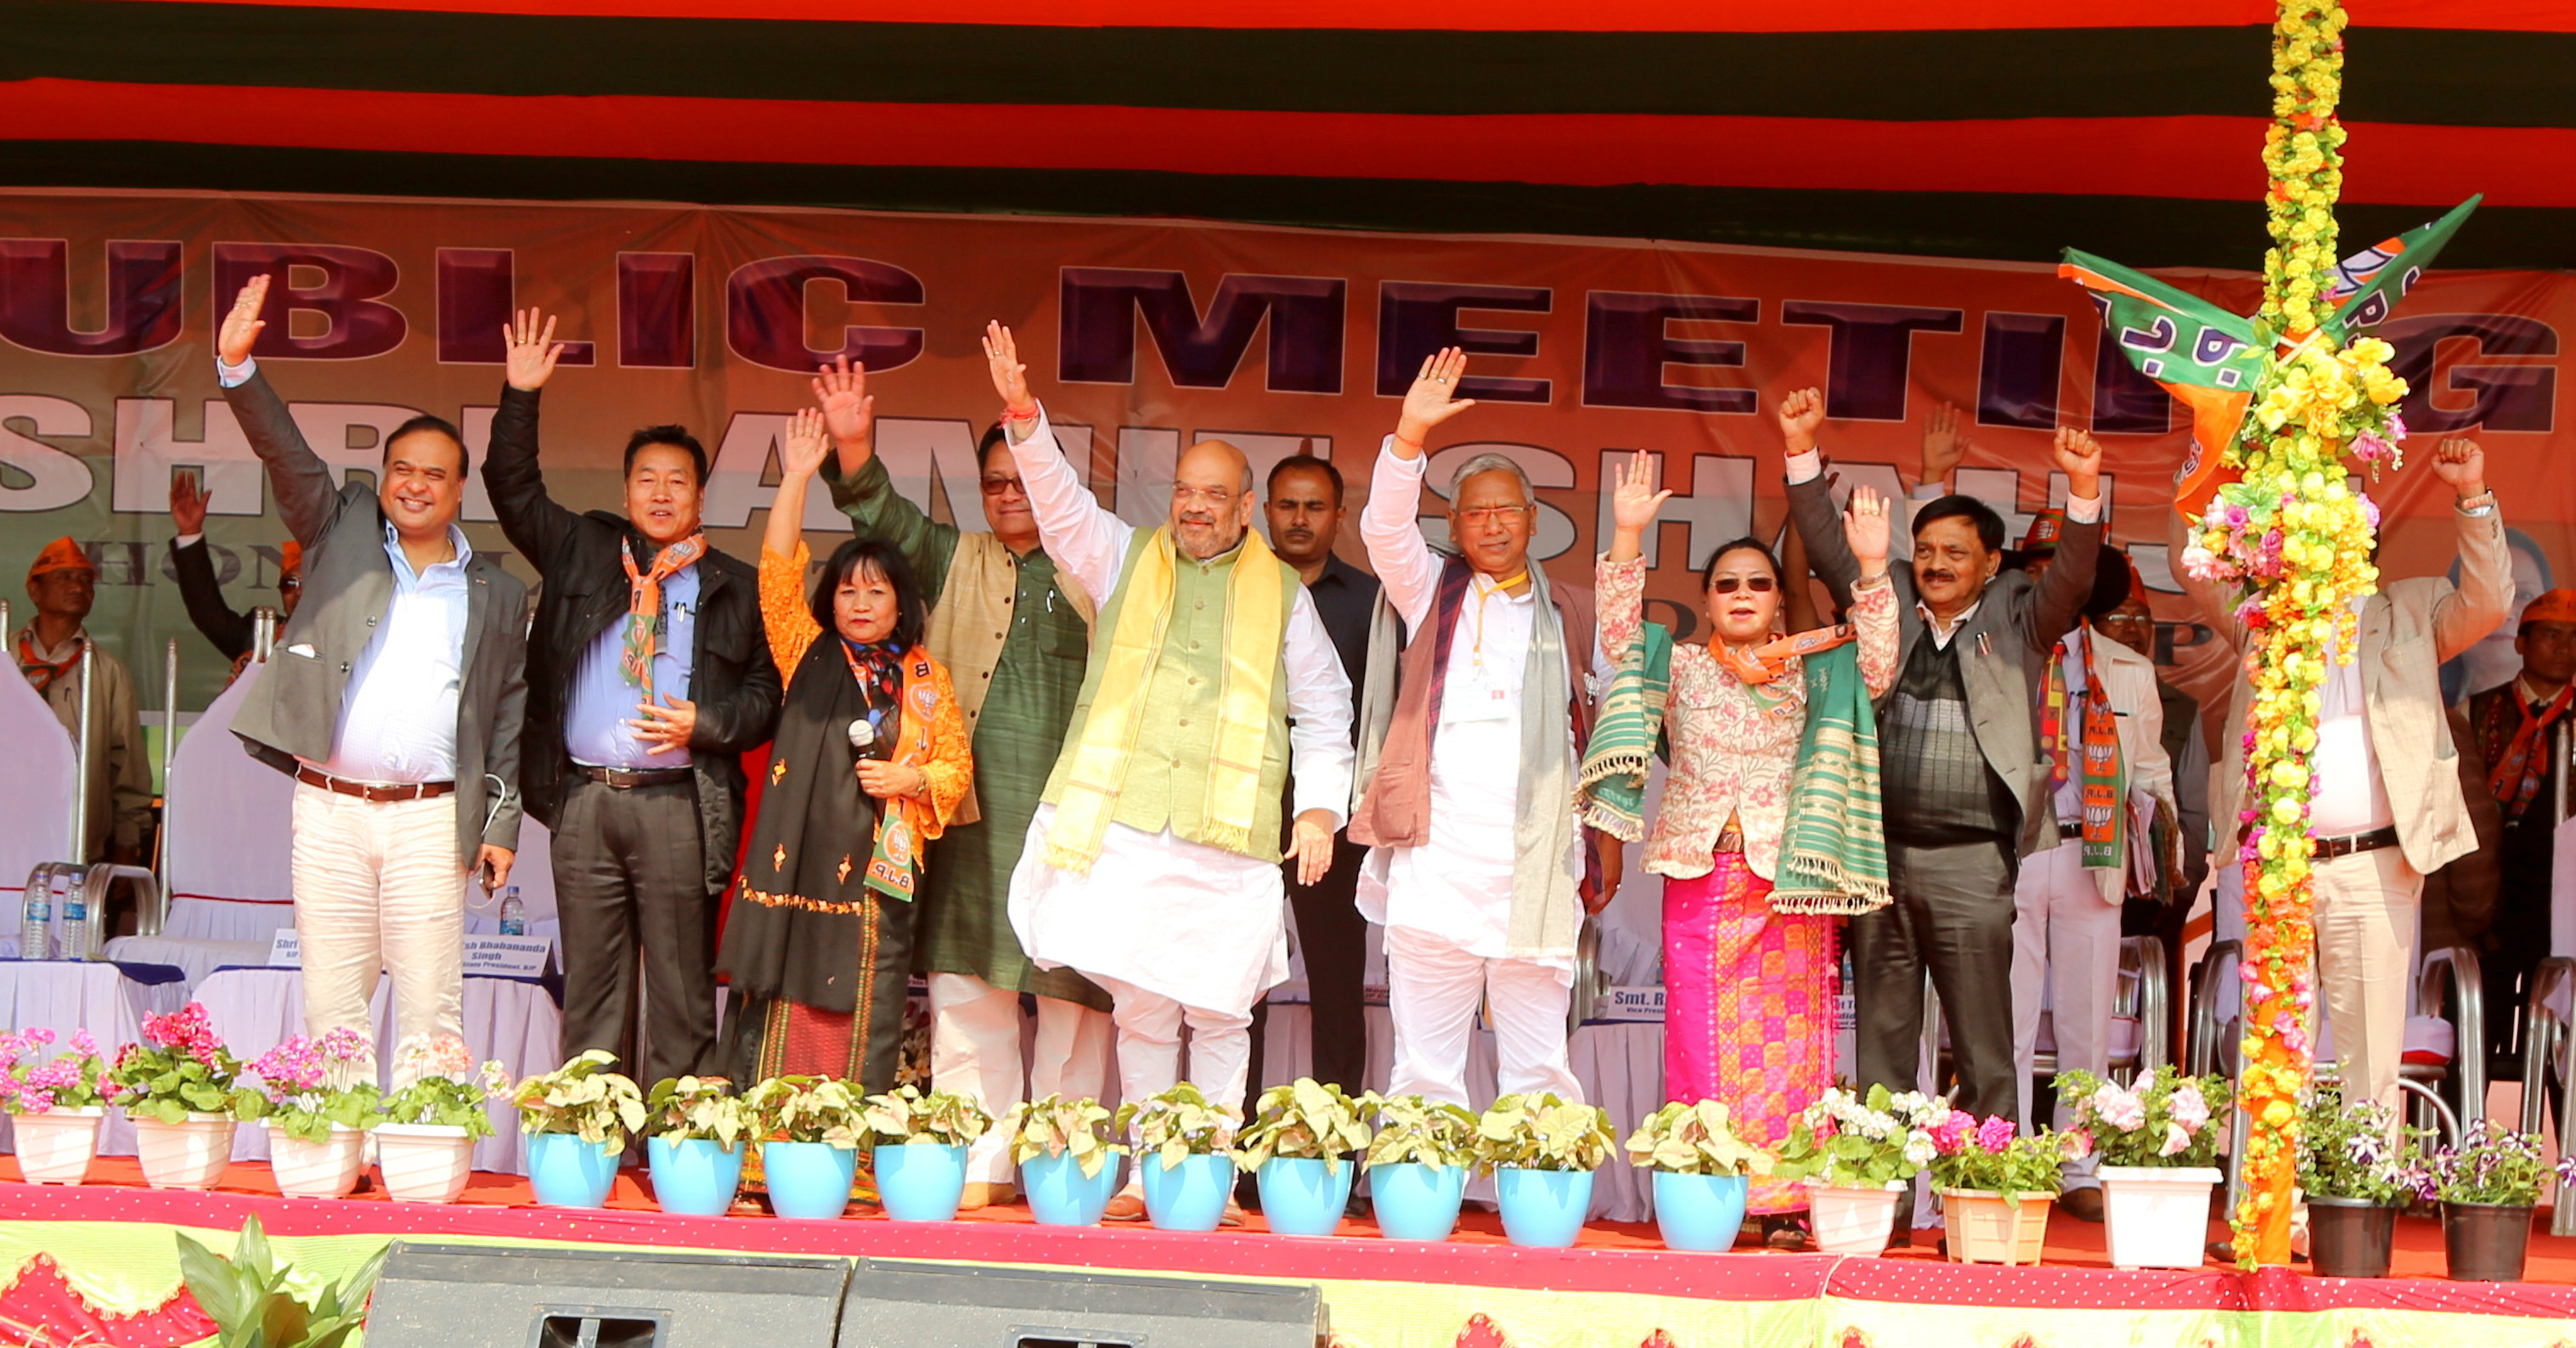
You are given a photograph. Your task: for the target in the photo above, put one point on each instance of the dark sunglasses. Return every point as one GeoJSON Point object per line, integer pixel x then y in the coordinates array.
{"type": "Point", "coordinates": [1731, 584]}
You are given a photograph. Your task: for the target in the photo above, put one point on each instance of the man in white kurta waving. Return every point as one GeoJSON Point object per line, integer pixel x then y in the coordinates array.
{"type": "Point", "coordinates": [1152, 866]}
{"type": "Point", "coordinates": [1480, 874]}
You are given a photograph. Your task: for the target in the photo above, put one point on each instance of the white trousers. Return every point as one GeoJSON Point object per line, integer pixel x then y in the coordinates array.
{"type": "Point", "coordinates": [975, 1052]}
{"type": "Point", "coordinates": [2066, 945]}
{"type": "Point", "coordinates": [1432, 986]}
{"type": "Point", "coordinates": [2366, 918]}
{"type": "Point", "coordinates": [379, 888]}
{"type": "Point", "coordinates": [1149, 1045]}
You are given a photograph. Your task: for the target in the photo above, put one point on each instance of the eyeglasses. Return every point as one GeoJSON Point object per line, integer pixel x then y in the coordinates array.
{"type": "Point", "coordinates": [1482, 516]}
{"type": "Point", "coordinates": [1731, 584]}
{"type": "Point", "coordinates": [995, 486]}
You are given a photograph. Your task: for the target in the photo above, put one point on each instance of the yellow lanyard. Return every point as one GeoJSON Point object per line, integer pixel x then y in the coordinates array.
{"type": "Point", "coordinates": [1485, 592]}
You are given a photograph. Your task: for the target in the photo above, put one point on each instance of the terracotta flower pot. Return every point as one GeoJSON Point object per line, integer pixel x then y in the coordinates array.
{"type": "Point", "coordinates": [1984, 1228]}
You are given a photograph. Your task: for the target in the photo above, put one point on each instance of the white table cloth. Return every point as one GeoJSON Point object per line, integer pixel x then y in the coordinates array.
{"type": "Point", "coordinates": [195, 958]}
{"type": "Point", "coordinates": [68, 995]}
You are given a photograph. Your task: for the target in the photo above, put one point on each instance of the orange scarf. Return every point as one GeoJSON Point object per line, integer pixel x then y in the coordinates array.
{"type": "Point", "coordinates": [41, 673]}
{"type": "Point", "coordinates": [1768, 665]}
{"type": "Point", "coordinates": [644, 605]}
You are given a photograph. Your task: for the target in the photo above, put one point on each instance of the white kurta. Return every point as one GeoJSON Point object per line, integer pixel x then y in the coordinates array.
{"type": "Point", "coordinates": [1458, 884]}
{"type": "Point", "coordinates": [1203, 926]}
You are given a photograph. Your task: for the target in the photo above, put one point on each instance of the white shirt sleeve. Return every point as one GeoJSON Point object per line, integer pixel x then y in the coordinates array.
{"type": "Point", "coordinates": [1086, 540]}
{"type": "Point", "coordinates": [2083, 509]}
{"type": "Point", "coordinates": [1397, 552]}
{"type": "Point", "coordinates": [1806, 467]}
{"type": "Point", "coordinates": [186, 540]}
{"type": "Point", "coordinates": [1319, 701]}
{"type": "Point", "coordinates": [234, 376]}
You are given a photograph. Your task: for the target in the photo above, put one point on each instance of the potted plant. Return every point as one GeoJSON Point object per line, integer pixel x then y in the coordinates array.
{"type": "Point", "coordinates": [1543, 1151]}
{"type": "Point", "coordinates": [809, 1129]}
{"type": "Point", "coordinates": [1418, 1165]}
{"type": "Point", "coordinates": [1063, 1150]}
{"type": "Point", "coordinates": [2487, 1186]}
{"type": "Point", "coordinates": [577, 1118]}
{"type": "Point", "coordinates": [1295, 1145]}
{"type": "Point", "coordinates": [1997, 1184]}
{"type": "Point", "coordinates": [425, 1144]}
{"type": "Point", "coordinates": [2159, 1160]}
{"type": "Point", "coordinates": [1701, 1173]}
{"type": "Point", "coordinates": [2356, 1169]}
{"type": "Point", "coordinates": [253, 1299]}
{"type": "Point", "coordinates": [921, 1176]}
{"type": "Point", "coordinates": [317, 1132]}
{"type": "Point", "coordinates": [178, 1087]}
{"type": "Point", "coordinates": [57, 1104]}
{"type": "Point", "coordinates": [1856, 1154]}
{"type": "Point", "coordinates": [699, 1134]}
{"type": "Point", "coordinates": [1181, 1156]}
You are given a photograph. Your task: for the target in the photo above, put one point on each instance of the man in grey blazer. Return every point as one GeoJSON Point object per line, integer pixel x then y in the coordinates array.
{"type": "Point", "coordinates": [394, 701]}
{"type": "Point", "coordinates": [1968, 793]}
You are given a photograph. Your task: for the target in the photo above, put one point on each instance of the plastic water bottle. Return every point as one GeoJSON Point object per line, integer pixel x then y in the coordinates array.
{"type": "Point", "coordinates": [514, 914]}
{"type": "Point", "coordinates": [35, 928]}
{"type": "Point", "coordinates": [73, 943]}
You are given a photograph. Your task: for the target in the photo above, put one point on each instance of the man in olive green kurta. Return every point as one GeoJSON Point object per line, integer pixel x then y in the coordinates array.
{"type": "Point", "coordinates": [1014, 639]}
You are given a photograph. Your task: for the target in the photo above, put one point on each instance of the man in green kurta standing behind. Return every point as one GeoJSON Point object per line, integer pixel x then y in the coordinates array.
{"type": "Point", "coordinates": [1015, 639]}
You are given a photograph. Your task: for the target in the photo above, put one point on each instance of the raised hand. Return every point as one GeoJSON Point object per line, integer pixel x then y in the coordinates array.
{"type": "Point", "coordinates": [1010, 377]}
{"type": "Point", "coordinates": [2079, 456]}
{"type": "Point", "coordinates": [188, 504]}
{"type": "Point", "coordinates": [1429, 401]}
{"type": "Point", "coordinates": [841, 390]}
{"type": "Point", "coordinates": [1943, 444]}
{"type": "Point", "coordinates": [802, 444]}
{"type": "Point", "coordinates": [2462, 464]}
{"type": "Point", "coordinates": [529, 355]}
{"type": "Point", "coordinates": [242, 323]}
{"type": "Point", "coordinates": [1799, 414]}
{"type": "Point", "coordinates": [1634, 502]}
{"type": "Point", "coordinates": [1865, 530]}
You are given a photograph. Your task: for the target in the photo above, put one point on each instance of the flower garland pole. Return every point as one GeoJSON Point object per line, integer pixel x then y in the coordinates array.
{"type": "Point", "coordinates": [2296, 540]}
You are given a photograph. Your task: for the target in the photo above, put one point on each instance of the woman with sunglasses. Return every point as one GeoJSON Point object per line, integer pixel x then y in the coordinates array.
{"type": "Point", "coordinates": [1749, 991]}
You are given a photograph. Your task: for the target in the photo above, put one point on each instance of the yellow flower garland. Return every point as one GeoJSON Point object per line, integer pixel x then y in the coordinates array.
{"type": "Point", "coordinates": [2296, 540]}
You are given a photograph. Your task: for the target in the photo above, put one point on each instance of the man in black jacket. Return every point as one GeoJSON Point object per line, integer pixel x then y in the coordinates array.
{"type": "Point", "coordinates": [647, 676]}
{"type": "Point", "coordinates": [203, 593]}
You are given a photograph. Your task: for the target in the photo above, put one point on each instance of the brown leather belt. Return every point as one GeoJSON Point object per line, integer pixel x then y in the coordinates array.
{"type": "Point", "coordinates": [381, 795]}
{"type": "Point", "coordinates": [624, 779]}
{"type": "Point", "coordinates": [2358, 842]}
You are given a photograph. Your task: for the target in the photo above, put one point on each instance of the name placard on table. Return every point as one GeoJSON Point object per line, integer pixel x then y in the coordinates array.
{"type": "Point", "coordinates": [485, 956]}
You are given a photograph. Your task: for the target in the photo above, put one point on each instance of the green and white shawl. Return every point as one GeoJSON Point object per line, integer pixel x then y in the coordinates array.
{"type": "Point", "coordinates": [1610, 792]}
{"type": "Point", "coordinates": [1833, 850]}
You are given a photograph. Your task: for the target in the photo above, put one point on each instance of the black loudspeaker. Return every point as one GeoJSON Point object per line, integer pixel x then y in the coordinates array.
{"type": "Point", "coordinates": [905, 1304]}
{"type": "Point", "coordinates": [487, 1296]}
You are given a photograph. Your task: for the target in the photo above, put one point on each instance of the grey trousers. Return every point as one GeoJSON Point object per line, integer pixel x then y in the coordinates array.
{"type": "Point", "coordinates": [629, 875]}
{"type": "Point", "coordinates": [1952, 918]}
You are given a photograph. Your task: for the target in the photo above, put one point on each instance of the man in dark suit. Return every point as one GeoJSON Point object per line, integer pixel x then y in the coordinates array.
{"type": "Point", "coordinates": [648, 677]}
{"type": "Point", "coordinates": [1967, 787]}
{"type": "Point", "coordinates": [202, 592]}
{"type": "Point", "coordinates": [394, 702]}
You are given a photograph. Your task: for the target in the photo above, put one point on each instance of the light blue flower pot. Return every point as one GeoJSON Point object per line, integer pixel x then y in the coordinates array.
{"type": "Point", "coordinates": [566, 1172]}
{"type": "Point", "coordinates": [808, 1181]}
{"type": "Point", "coordinates": [695, 1177]}
{"type": "Point", "coordinates": [1699, 1212]}
{"type": "Point", "coordinates": [1543, 1209]}
{"type": "Point", "coordinates": [1061, 1195]}
{"type": "Point", "coordinates": [921, 1181]}
{"type": "Point", "coordinates": [1417, 1202]}
{"type": "Point", "coordinates": [1189, 1196]}
{"type": "Point", "coordinates": [1302, 1196]}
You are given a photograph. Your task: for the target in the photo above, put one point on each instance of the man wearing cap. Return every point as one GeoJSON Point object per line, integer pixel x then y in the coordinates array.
{"type": "Point", "coordinates": [215, 620]}
{"type": "Point", "coordinates": [2522, 732]}
{"type": "Point", "coordinates": [63, 583]}
{"type": "Point", "coordinates": [2389, 809]}
{"type": "Point", "coordinates": [395, 703]}
{"type": "Point", "coordinates": [2101, 731]}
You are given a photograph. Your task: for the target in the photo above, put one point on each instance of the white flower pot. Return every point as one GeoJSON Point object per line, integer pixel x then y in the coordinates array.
{"type": "Point", "coordinates": [424, 1162]}
{"type": "Point", "coordinates": [2157, 1216]}
{"type": "Point", "coordinates": [189, 1154]}
{"type": "Point", "coordinates": [56, 1147]}
{"type": "Point", "coordinates": [1852, 1221]}
{"type": "Point", "coordinates": [324, 1169]}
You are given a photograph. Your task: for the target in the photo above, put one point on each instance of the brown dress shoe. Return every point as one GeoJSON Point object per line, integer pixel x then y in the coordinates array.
{"type": "Point", "coordinates": [1233, 1214]}
{"type": "Point", "coordinates": [2084, 1205]}
{"type": "Point", "coordinates": [981, 1194]}
{"type": "Point", "coordinates": [1127, 1206]}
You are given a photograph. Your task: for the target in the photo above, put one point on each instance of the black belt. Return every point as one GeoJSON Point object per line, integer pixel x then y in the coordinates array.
{"type": "Point", "coordinates": [2067, 832]}
{"type": "Point", "coordinates": [2358, 842]}
{"type": "Point", "coordinates": [624, 779]}
{"type": "Point", "coordinates": [381, 795]}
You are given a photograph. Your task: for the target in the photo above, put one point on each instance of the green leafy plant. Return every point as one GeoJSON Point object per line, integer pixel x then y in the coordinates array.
{"type": "Point", "coordinates": [687, 1109]}
{"type": "Point", "coordinates": [451, 1091]}
{"type": "Point", "coordinates": [249, 1298]}
{"type": "Point", "coordinates": [1413, 1130]}
{"type": "Point", "coordinates": [940, 1119]}
{"type": "Point", "coordinates": [1695, 1139]}
{"type": "Point", "coordinates": [2357, 1152]}
{"type": "Point", "coordinates": [1542, 1132]}
{"type": "Point", "coordinates": [1054, 1126]}
{"type": "Point", "coordinates": [1308, 1120]}
{"type": "Point", "coordinates": [807, 1109]}
{"type": "Point", "coordinates": [295, 1080]}
{"type": "Point", "coordinates": [2169, 1120]}
{"type": "Point", "coordinates": [1996, 1156]}
{"type": "Point", "coordinates": [583, 1098]}
{"type": "Point", "coordinates": [1854, 1142]}
{"type": "Point", "coordinates": [181, 1068]}
{"type": "Point", "coordinates": [1177, 1123]}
